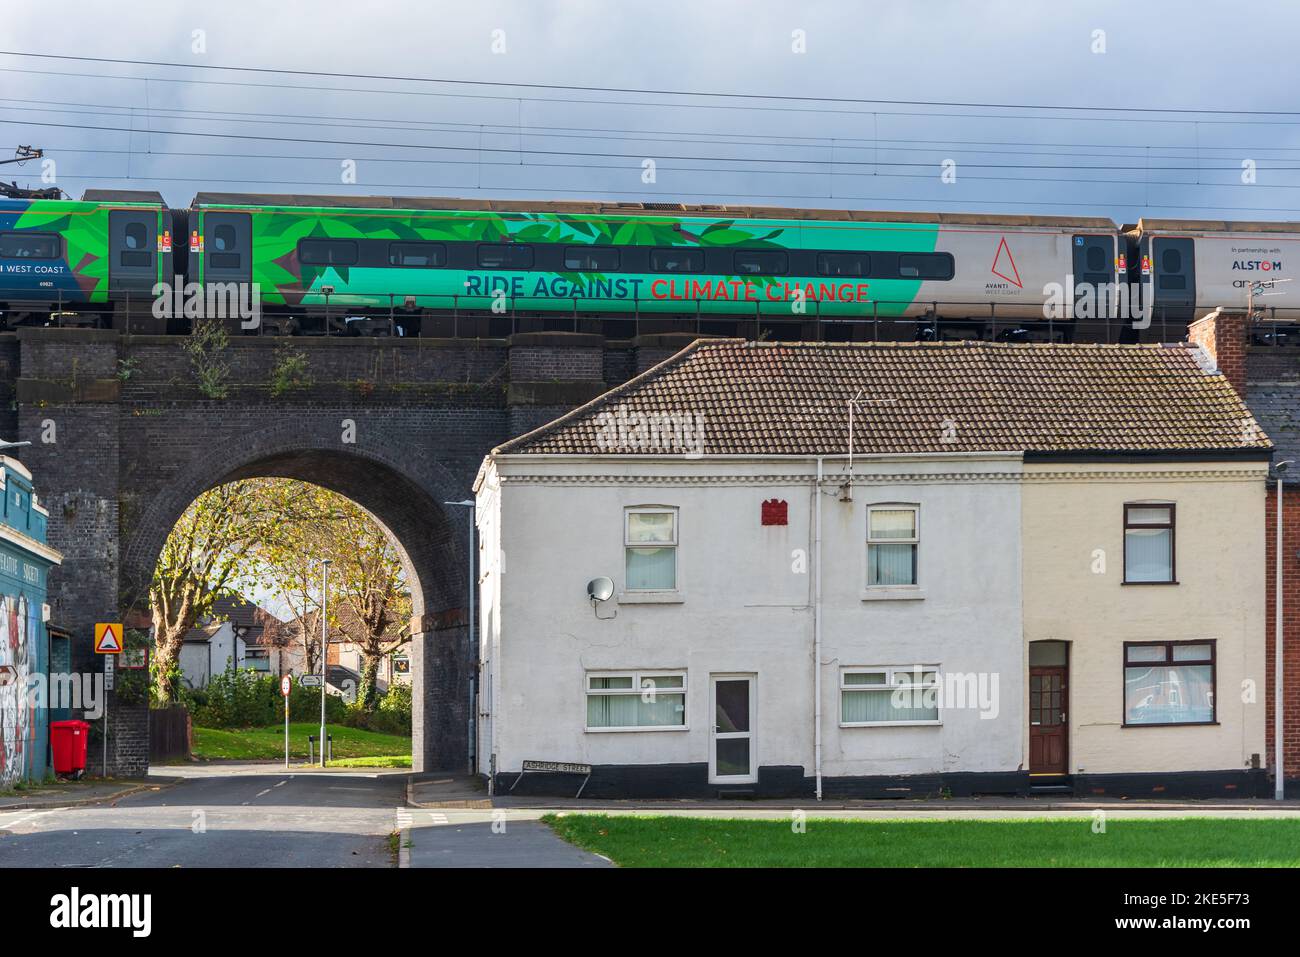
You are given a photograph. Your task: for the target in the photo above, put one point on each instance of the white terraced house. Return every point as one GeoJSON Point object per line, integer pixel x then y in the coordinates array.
{"type": "Point", "coordinates": [879, 569]}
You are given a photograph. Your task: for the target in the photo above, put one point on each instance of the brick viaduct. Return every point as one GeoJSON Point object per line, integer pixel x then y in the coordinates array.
{"type": "Point", "coordinates": [123, 439]}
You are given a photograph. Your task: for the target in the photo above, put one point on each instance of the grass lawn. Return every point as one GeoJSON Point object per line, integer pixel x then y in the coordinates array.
{"type": "Point", "coordinates": [700, 842]}
{"type": "Point", "coordinates": [256, 744]}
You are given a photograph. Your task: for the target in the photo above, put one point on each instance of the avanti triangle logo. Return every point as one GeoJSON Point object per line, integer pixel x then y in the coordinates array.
{"type": "Point", "coordinates": [1004, 249]}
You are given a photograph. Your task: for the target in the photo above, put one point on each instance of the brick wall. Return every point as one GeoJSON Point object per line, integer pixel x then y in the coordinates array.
{"type": "Point", "coordinates": [123, 440]}
{"type": "Point", "coordinates": [1290, 627]}
{"type": "Point", "coordinates": [1224, 336]}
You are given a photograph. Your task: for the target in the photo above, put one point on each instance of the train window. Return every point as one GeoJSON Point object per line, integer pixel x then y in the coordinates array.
{"type": "Point", "coordinates": [1171, 260]}
{"type": "Point", "coordinates": [677, 260]}
{"type": "Point", "coordinates": [417, 254]}
{"type": "Point", "coordinates": [1168, 281]}
{"type": "Point", "coordinates": [844, 264]}
{"type": "Point", "coordinates": [223, 260]}
{"type": "Point", "coordinates": [136, 236]}
{"type": "Point", "coordinates": [327, 252]}
{"type": "Point", "coordinates": [925, 266]}
{"type": "Point", "coordinates": [505, 256]}
{"type": "Point", "coordinates": [591, 258]}
{"type": "Point", "coordinates": [26, 245]}
{"type": "Point", "coordinates": [223, 239]}
{"type": "Point", "coordinates": [760, 262]}
{"type": "Point", "coordinates": [1095, 259]}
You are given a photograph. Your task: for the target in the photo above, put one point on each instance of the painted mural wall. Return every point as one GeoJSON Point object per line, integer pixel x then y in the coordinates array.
{"type": "Point", "coordinates": [23, 727]}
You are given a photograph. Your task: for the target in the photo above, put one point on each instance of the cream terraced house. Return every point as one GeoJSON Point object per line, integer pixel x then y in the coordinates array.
{"type": "Point", "coordinates": [879, 569]}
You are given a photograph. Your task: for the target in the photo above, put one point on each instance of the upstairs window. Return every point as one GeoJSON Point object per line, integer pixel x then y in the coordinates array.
{"type": "Point", "coordinates": [1148, 544]}
{"type": "Point", "coordinates": [892, 540]}
{"type": "Point", "coordinates": [650, 549]}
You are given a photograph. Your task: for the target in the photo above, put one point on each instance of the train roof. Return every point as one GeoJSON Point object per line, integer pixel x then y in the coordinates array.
{"type": "Point", "coordinates": [1212, 226]}
{"type": "Point", "coordinates": [603, 208]}
{"type": "Point", "coordinates": [123, 196]}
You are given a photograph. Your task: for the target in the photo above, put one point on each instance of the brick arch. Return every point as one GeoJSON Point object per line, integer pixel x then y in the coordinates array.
{"type": "Point", "coordinates": [403, 488]}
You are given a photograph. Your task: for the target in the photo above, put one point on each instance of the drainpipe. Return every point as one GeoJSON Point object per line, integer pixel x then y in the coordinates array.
{"type": "Point", "coordinates": [1279, 776]}
{"type": "Point", "coordinates": [817, 630]}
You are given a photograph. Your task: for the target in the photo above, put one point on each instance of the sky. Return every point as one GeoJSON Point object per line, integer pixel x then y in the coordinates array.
{"type": "Point", "coordinates": [1175, 97]}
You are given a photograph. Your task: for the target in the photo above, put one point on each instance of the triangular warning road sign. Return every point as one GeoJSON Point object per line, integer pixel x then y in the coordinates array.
{"type": "Point", "coordinates": [1011, 262]}
{"type": "Point", "coordinates": [108, 638]}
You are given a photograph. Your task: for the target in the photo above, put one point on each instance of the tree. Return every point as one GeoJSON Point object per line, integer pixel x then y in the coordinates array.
{"type": "Point", "coordinates": [369, 603]}
{"type": "Point", "coordinates": [208, 550]}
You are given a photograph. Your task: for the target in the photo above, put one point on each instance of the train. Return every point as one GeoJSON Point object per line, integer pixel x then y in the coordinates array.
{"type": "Point", "coordinates": [415, 266]}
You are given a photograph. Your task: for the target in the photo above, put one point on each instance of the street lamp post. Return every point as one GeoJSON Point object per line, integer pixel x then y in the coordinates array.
{"type": "Point", "coordinates": [324, 648]}
{"type": "Point", "coordinates": [473, 636]}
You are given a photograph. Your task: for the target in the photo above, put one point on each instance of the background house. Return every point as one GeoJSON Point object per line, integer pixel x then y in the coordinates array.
{"type": "Point", "coordinates": [237, 634]}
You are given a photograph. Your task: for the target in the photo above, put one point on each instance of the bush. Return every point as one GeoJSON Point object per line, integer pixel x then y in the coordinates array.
{"type": "Point", "coordinates": [304, 705]}
{"type": "Point", "coordinates": [239, 698]}
{"type": "Point", "coordinates": [392, 716]}
{"type": "Point", "coordinates": [245, 698]}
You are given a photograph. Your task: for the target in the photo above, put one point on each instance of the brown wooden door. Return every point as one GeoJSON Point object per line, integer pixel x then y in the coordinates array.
{"type": "Point", "coordinates": [1048, 713]}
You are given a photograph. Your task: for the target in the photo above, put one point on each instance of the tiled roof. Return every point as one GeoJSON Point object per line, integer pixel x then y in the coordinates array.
{"type": "Point", "coordinates": [792, 399]}
{"type": "Point", "coordinates": [1273, 394]}
{"type": "Point", "coordinates": [263, 627]}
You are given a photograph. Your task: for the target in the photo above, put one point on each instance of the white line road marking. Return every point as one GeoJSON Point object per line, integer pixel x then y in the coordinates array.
{"type": "Point", "coordinates": [14, 822]}
{"type": "Point", "coordinates": [282, 783]}
{"type": "Point", "coordinates": [260, 793]}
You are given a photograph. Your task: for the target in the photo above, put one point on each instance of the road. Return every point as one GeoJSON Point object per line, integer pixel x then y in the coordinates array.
{"type": "Point", "coordinates": [258, 819]}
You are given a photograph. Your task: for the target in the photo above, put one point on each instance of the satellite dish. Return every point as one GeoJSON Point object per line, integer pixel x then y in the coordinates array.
{"type": "Point", "coordinates": [600, 589]}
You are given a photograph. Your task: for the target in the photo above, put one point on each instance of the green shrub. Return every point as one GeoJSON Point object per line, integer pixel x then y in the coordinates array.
{"type": "Point", "coordinates": [304, 705]}
{"type": "Point", "coordinates": [392, 716]}
{"type": "Point", "coordinates": [240, 698]}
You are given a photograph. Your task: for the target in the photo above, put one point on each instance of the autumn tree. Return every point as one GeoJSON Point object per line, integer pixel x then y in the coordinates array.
{"type": "Point", "coordinates": [208, 551]}
{"type": "Point", "coordinates": [369, 602]}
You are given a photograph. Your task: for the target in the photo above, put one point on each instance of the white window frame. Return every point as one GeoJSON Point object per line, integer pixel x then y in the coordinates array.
{"type": "Point", "coordinates": [636, 689]}
{"type": "Point", "coordinates": [890, 671]}
{"type": "Point", "coordinates": [627, 543]}
{"type": "Point", "coordinates": [915, 540]}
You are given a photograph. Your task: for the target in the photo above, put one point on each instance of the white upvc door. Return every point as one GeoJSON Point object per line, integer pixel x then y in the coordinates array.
{"type": "Point", "coordinates": [732, 754]}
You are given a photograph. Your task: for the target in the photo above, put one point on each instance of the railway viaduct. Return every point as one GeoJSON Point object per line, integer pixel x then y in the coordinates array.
{"type": "Point", "coordinates": [125, 435]}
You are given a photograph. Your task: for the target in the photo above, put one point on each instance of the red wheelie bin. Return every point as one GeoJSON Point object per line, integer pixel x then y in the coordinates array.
{"type": "Point", "coordinates": [68, 740]}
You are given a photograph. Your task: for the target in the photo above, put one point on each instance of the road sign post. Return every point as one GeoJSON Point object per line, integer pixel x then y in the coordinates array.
{"type": "Point", "coordinates": [286, 688]}
{"type": "Point", "coordinates": [108, 642]}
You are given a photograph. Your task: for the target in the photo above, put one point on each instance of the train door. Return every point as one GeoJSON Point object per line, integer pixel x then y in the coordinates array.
{"type": "Point", "coordinates": [1094, 274]}
{"type": "Point", "coordinates": [227, 247]}
{"type": "Point", "coordinates": [1173, 275]}
{"type": "Point", "coordinates": [132, 250]}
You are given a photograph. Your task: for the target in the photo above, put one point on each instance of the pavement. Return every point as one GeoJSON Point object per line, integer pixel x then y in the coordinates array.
{"type": "Point", "coordinates": [451, 792]}
{"type": "Point", "coordinates": [205, 816]}
{"type": "Point", "coordinates": [257, 814]}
